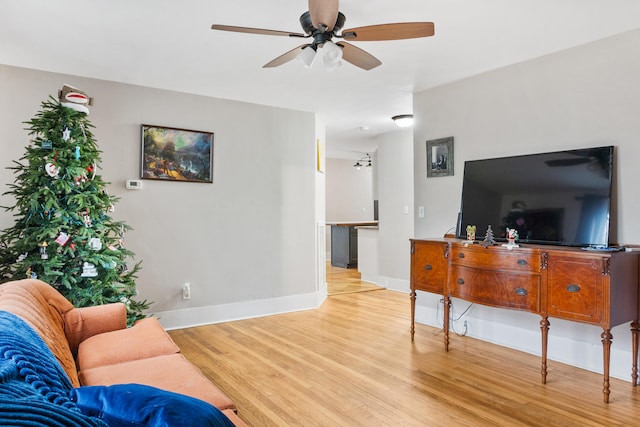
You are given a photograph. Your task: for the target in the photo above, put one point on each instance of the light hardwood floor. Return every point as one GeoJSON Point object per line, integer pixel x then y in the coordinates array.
{"type": "Point", "coordinates": [346, 280]}
{"type": "Point", "coordinates": [351, 363]}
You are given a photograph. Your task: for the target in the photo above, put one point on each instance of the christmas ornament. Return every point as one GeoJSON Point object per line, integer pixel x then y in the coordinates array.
{"type": "Point", "coordinates": [86, 219]}
{"type": "Point", "coordinates": [74, 98]}
{"type": "Point", "coordinates": [512, 236]}
{"type": "Point", "coordinates": [80, 179]}
{"type": "Point", "coordinates": [52, 170]}
{"type": "Point", "coordinates": [89, 270]}
{"type": "Point", "coordinates": [488, 238]}
{"type": "Point", "coordinates": [43, 250]}
{"type": "Point", "coordinates": [66, 134]}
{"type": "Point", "coordinates": [471, 233]}
{"type": "Point", "coordinates": [62, 238]}
{"type": "Point", "coordinates": [22, 257]}
{"type": "Point", "coordinates": [45, 144]}
{"type": "Point", "coordinates": [77, 152]}
{"type": "Point", "coordinates": [95, 243]}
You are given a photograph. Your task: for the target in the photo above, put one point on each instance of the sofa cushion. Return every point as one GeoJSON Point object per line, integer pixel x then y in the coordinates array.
{"type": "Point", "coordinates": [43, 308]}
{"type": "Point", "coordinates": [136, 405]}
{"type": "Point", "coordinates": [84, 322]}
{"type": "Point", "coordinates": [169, 372]}
{"type": "Point", "coordinates": [147, 338]}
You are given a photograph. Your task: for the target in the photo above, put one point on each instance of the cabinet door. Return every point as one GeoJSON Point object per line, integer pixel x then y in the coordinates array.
{"type": "Point", "coordinates": [576, 287]}
{"type": "Point", "coordinates": [429, 266]}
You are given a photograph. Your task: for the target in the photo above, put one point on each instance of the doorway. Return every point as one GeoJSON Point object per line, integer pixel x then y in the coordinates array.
{"type": "Point", "coordinates": [346, 280]}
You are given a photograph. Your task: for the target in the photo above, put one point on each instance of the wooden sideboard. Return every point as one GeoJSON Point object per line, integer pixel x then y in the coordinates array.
{"type": "Point", "coordinates": [595, 287]}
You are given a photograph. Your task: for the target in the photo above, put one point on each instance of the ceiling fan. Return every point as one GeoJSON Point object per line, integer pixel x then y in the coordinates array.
{"type": "Point", "coordinates": [322, 23]}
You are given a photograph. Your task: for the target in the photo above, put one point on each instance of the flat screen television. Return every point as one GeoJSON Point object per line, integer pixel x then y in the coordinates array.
{"type": "Point", "coordinates": [558, 198]}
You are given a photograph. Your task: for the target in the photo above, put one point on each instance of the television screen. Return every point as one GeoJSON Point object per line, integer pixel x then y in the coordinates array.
{"type": "Point", "coordinates": [561, 198]}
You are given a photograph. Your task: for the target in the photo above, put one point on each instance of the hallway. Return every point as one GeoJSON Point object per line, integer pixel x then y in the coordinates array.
{"type": "Point", "coordinates": [346, 281]}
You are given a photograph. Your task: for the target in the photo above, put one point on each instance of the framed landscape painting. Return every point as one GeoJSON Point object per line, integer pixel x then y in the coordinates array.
{"type": "Point", "coordinates": [174, 154]}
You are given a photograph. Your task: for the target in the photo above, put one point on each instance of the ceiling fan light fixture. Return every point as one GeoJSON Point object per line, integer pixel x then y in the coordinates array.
{"type": "Point", "coordinates": [403, 120]}
{"type": "Point", "coordinates": [332, 55]}
{"type": "Point", "coordinates": [307, 56]}
{"type": "Point", "coordinates": [332, 52]}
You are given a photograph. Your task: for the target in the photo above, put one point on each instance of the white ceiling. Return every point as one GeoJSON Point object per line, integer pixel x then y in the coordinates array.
{"type": "Point", "coordinates": [169, 44]}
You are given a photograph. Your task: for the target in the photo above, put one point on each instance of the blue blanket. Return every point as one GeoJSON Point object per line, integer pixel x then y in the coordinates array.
{"type": "Point", "coordinates": [34, 389]}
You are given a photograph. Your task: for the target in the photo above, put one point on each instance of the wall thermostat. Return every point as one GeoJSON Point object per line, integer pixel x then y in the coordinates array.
{"type": "Point", "coordinates": [133, 184]}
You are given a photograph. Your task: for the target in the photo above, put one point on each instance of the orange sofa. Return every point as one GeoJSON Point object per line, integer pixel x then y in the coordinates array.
{"type": "Point", "coordinates": [94, 346]}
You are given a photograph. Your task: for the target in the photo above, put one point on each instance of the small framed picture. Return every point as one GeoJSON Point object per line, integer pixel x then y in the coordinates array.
{"type": "Point", "coordinates": [173, 154]}
{"type": "Point", "coordinates": [440, 157]}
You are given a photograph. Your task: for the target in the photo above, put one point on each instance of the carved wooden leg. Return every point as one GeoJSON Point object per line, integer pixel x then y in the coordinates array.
{"type": "Point", "coordinates": [447, 309]}
{"type": "Point", "coordinates": [412, 295]}
{"type": "Point", "coordinates": [544, 327]}
{"type": "Point", "coordinates": [635, 331]}
{"type": "Point", "coordinates": [606, 352]}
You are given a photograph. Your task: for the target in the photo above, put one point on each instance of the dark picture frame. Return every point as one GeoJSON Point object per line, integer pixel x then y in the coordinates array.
{"type": "Point", "coordinates": [440, 157]}
{"type": "Point", "coordinates": [175, 154]}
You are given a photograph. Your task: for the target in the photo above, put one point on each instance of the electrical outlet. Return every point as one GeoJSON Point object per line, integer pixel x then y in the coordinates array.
{"type": "Point", "coordinates": [186, 291]}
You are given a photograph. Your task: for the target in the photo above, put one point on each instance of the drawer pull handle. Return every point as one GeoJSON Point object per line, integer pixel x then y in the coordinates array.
{"type": "Point", "coordinates": [573, 288]}
{"type": "Point", "coordinates": [521, 291]}
{"type": "Point", "coordinates": [460, 281]}
{"type": "Point", "coordinates": [522, 262]}
{"type": "Point", "coordinates": [428, 267]}
{"type": "Point", "coordinates": [460, 255]}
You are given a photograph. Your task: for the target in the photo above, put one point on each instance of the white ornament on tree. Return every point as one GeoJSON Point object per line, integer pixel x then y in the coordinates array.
{"type": "Point", "coordinates": [52, 170]}
{"type": "Point", "coordinates": [89, 270]}
{"type": "Point", "coordinates": [95, 243]}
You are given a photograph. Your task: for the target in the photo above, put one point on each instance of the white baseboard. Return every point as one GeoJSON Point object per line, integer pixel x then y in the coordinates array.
{"type": "Point", "coordinates": [178, 319]}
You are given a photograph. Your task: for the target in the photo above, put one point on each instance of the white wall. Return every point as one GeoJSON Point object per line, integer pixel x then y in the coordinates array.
{"type": "Point", "coordinates": [395, 189]}
{"type": "Point", "coordinates": [582, 97]}
{"type": "Point", "coordinates": [349, 191]}
{"type": "Point", "coordinates": [247, 243]}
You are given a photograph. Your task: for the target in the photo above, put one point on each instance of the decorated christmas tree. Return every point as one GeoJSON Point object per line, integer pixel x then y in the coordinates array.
{"type": "Point", "coordinates": [63, 233]}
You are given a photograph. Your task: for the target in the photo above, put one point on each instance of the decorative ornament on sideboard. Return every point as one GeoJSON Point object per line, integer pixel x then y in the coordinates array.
{"type": "Point", "coordinates": [488, 238]}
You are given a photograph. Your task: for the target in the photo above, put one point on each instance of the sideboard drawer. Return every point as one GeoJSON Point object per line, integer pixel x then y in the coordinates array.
{"type": "Point", "coordinates": [429, 267]}
{"type": "Point", "coordinates": [496, 258]}
{"type": "Point", "coordinates": [513, 290]}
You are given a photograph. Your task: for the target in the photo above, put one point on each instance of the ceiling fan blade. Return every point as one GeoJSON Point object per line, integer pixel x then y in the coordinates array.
{"type": "Point", "coordinates": [398, 31]}
{"type": "Point", "coordinates": [261, 31]}
{"type": "Point", "coordinates": [358, 57]}
{"type": "Point", "coordinates": [323, 12]}
{"type": "Point", "coordinates": [285, 57]}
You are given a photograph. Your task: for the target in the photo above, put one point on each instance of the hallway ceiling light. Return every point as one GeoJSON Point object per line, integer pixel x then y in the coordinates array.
{"type": "Point", "coordinates": [403, 120]}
